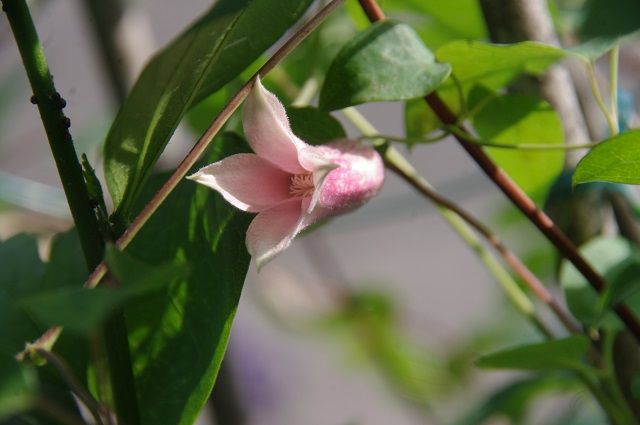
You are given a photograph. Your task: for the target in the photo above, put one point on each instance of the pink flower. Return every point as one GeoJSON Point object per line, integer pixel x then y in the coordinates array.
{"type": "Point", "coordinates": [289, 183]}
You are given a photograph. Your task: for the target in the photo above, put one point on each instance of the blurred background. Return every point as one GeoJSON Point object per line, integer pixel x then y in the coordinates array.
{"type": "Point", "coordinates": [373, 319]}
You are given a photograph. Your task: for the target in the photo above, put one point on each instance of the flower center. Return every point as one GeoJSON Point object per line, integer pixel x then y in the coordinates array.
{"type": "Point", "coordinates": [301, 185]}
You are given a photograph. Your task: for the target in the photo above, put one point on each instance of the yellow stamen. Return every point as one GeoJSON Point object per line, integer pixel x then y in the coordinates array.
{"type": "Point", "coordinates": [301, 185]}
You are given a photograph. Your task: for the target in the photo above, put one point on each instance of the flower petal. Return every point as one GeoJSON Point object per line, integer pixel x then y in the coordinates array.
{"type": "Point", "coordinates": [272, 231]}
{"type": "Point", "coordinates": [268, 132]}
{"type": "Point", "coordinates": [357, 179]}
{"type": "Point", "coordinates": [247, 181]}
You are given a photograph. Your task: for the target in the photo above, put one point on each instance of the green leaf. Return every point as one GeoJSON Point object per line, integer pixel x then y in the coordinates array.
{"type": "Point", "coordinates": [614, 160]}
{"type": "Point", "coordinates": [314, 126]}
{"type": "Point", "coordinates": [81, 310]}
{"type": "Point", "coordinates": [604, 254]}
{"type": "Point", "coordinates": [564, 353]}
{"type": "Point", "coordinates": [516, 119]}
{"type": "Point", "coordinates": [179, 336]}
{"type": "Point", "coordinates": [496, 65]}
{"type": "Point", "coordinates": [17, 386]}
{"type": "Point", "coordinates": [438, 22]}
{"type": "Point", "coordinates": [386, 62]}
{"type": "Point", "coordinates": [199, 62]}
{"type": "Point", "coordinates": [514, 399]}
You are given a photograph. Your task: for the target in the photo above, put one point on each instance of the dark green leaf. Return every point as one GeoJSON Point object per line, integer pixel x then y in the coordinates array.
{"type": "Point", "coordinates": [21, 274]}
{"type": "Point", "coordinates": [81, 310]}
{"type": "Point", "coordinates": [314, 126]}
{"type": "Point", "coordinates": [615, 160]}
{"type": "Point", "coordinates": [18, 385]}
{"type": "Point", "coordinates": [565, 353]}
{"type": "Point", "coordinates": [199, 62]}
{"type": "Point", "coordinates": [495, 65]}
{"type": "Point", "coordinates": [179, 336]}
{"type": "Point", "coordinates": [610, 18]}
{"type": "Point", "coordinates": [514, 119]}
{"type": "Point", "coordinates": [386, 62]}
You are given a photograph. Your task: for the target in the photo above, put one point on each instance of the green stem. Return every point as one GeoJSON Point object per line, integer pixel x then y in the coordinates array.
{"type": "Point", "coordinates": [595, 89]}
{"type": "Point", "coordinates": [609, 380]}
{"type": "Point", "coordinates": [614, 56]}
{"type": "Point", "coordinates": [56, 126]}
{"type": "Point", "coordinates": [55, 123]}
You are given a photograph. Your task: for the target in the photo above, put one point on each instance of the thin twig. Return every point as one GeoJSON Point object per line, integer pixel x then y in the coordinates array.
{"type": "Point", "coordinates": [517, 195]}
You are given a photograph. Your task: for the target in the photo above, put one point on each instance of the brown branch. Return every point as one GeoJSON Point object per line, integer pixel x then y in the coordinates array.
{"type": "Point", "coordinates": [516, 195]}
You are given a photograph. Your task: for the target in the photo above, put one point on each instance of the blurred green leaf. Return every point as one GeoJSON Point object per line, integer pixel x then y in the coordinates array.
{"type": "Point", "coordinates": [615, 160]}
{"type": "Point", "coordinates": [623, 281]}
{"type": "Point", "coordinates": [314, 126]}
{"type": "Point", "coordinates": [386, 62]}
{"type": "Point", "coordinates": [18, 386]}
{"type": "Point", "coordinates": [514, 399]}
{"type": "Point", "coordinates": [564, 353]}
{"type": "Point", "coordinates": [606, 19]}
{"type": "Point", "coordinates": [179, 336]}
{"type": "Point", "coordinates": [514, 119]}
{"type": "Point", "coordinates": [495, 65]}
{"type": "Point", "coordinates": [81, 310]}
{"type": "Point", "coordinates": [197, 63]}
{"type": "Point", "coordinates": [605, 254]}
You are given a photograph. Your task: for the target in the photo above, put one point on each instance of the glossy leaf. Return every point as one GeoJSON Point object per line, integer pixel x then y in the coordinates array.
{"type": "Point", "coordinates": [496, 65]}
{"type": "Point", "coordinates": [615, 160]}
{"type": "Point", "coordinates": [515, 119]}
{"type": "Point", "coordinates": [200, 61]}
{"type": "Point", "coordinates": [179, 336]}
{"type": "Point", "coordinates": [565, 353]}
{"type": "Point", "coordinates": [314, 126]}
{"type": "Point", "coordinates": [386, 62]}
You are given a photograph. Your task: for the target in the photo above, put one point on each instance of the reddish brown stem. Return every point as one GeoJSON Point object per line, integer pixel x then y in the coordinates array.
{"type": "Point", "coordinates": [515, 194]}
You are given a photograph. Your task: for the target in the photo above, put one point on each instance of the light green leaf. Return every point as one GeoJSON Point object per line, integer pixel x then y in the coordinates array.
{"type": "Point", "coordinates": [386, 62]}
{"type": "Point", "coordinates": [518, 119]}
{"type": "Point", "coordinates": [199, 62]}
{"type": "Point", "coordinates": [495, 65]}
{"type": "Point", "coordinates": [314, 126]}
{"type": "Point", "coordinates": [615, 160]}
{"type": "Point", "coordinates": [549, 355]}
{"type": "Point", "coordinates": [179, 336]}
